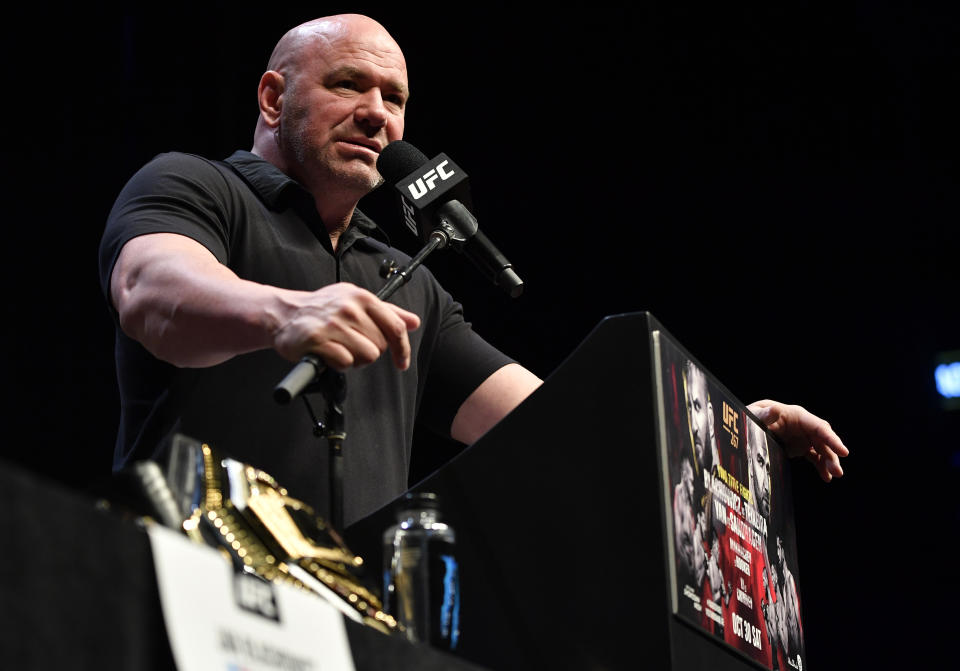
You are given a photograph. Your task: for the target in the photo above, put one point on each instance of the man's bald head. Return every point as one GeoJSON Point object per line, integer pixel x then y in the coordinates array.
{"type": "Point", "coordinates": [315, 37]}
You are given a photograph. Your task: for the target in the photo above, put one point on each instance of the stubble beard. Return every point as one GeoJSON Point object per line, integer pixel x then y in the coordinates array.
{"type": "Point", "coordinates": [320, 165]}
{"type": "Point", "coordinates": [763, 505]}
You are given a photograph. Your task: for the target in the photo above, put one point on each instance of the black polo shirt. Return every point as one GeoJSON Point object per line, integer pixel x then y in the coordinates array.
{"type": "Point", "coordinates": [264, 226]}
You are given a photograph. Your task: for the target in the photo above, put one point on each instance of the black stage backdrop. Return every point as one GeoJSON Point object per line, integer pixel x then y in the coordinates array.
{"type": "Point", "coordinates": [779, 187]}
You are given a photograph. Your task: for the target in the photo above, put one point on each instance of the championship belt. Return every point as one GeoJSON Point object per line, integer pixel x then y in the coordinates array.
{"type": "Point", "coordinates": [245, 514]}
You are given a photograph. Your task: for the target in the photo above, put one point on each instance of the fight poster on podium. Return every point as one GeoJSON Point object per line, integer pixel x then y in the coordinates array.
{"type": "Point", "coordinates": [729, 510]}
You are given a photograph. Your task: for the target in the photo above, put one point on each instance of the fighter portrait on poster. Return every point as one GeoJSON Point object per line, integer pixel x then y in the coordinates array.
{"type": "Point", "coordinates": [733, 558]}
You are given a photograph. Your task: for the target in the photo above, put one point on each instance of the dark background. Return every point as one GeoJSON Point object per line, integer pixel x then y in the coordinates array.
{"type": "Point", "coordinates": [778, 187]}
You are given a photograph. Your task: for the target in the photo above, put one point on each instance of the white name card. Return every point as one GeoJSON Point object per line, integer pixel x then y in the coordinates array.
{"type": "Point", "coordinates": [217, 619]}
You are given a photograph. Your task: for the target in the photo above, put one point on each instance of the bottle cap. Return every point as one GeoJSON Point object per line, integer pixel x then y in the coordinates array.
{"type": "Point", "coordinates": [419, 501]}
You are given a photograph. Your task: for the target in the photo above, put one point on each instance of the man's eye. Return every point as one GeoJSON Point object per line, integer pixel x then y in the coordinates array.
{"type": "Point", "coordinates": [346, 84]}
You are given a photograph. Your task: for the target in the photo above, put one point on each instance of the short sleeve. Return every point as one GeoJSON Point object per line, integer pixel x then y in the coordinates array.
{"type": "Point", "coordinates": [173, 193]}
{"type": "Point", "coordinates": [460, 362]}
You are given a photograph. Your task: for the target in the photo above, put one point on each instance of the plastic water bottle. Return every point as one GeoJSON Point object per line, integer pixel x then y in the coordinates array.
{"type": "Point", "coordinates": [421, 581]}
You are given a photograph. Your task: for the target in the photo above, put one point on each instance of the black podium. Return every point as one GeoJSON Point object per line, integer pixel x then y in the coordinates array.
{"type": "Point", "coordinates": [561, 532]}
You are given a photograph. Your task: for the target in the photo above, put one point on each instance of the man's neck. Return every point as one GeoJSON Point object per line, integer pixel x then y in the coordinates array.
{"type": "Point", "coordinates": [334, 205]}
{"type": "Point", "coordinates": [335, 216]}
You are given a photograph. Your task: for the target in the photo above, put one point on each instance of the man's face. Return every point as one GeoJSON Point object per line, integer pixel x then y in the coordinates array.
{"type": "Point", "coordinates": [760, 469]}
{"type": "Point", "coordinates": [697, 408]}
{"type": "Point", "coordinates": [342, 104]}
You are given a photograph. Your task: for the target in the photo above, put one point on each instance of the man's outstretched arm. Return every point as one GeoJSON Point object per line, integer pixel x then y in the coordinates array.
{"type": "Point", "coordinates": [803, 434]}
{"type": "Point", "coordinates": [175, 298]}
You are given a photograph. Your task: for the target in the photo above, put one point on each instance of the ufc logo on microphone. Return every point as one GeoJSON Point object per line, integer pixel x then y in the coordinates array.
{"type": "Point", "coordinates": [426, 183]}
{"type": "Point", "coordinates": [409, 216]}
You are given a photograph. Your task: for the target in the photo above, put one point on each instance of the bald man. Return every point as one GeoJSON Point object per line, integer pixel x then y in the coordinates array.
{"type": "Point", "coordinates": [221, 273]}
{"type": "Point", "coordinates": [758, 468]}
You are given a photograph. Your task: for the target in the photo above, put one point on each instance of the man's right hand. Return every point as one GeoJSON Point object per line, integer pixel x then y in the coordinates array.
{"type": "Point", "coordinates": [346, 326]}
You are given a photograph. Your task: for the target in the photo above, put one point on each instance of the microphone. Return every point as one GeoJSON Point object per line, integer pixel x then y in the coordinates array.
{"type": "Point", "coordinates": [435, 194]}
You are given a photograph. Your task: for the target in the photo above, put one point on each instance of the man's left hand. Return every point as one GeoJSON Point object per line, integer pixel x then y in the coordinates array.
{"type": "Point", "coordinates": [803, 434]}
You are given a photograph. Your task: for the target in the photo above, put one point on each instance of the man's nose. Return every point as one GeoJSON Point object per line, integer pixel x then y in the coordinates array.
{"type": "Point", "coordinates": [371, 110]}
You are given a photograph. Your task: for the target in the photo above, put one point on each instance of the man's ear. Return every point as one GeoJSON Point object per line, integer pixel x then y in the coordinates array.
{"type": "Point", "coordinates": [270, 97]}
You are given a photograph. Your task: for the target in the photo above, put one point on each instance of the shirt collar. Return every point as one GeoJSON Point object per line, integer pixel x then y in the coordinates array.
{"type": "Point", "coordinates": [276, 189]}
{"type": "Point", "coordinates": [264, 178]}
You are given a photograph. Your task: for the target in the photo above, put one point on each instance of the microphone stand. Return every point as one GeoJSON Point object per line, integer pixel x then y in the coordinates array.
{"type": "Point", "coordinates": [311, 374]}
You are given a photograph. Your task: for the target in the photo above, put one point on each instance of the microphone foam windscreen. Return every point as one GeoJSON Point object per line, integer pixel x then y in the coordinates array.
{"type": "Point", "coordinates": [398, 159]}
